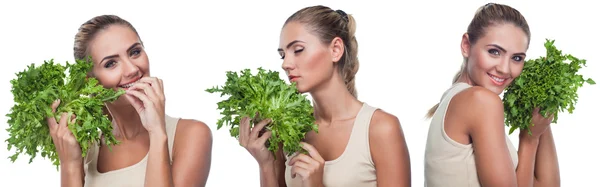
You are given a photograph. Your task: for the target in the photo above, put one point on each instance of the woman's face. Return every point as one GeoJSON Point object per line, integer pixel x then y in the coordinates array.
{"type": "Point", "coordinates": [497, 58]}
{"type": "Point", "coordinates": [119, 58]}
{"type": "Point", "coordinates": [306, 59]}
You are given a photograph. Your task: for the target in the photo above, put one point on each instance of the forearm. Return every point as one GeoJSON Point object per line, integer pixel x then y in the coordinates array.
{"type": "Point", "coordinates": [71, 175]}
{"type": "Point", "coordinates": [158, 171]}
{"type": "Point", "coordinates": [546, 162]}
{"type": "Point", "coordinates": [268, 175]}
{"type": "Point", "coordinates": [527, 154]}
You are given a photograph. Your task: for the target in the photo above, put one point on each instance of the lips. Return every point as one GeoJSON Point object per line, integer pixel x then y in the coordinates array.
{"type": "Point", "coordinates": [497, 80]}
{"type": "Point", "coordinates": [130, 84]}
{"type": "Point", "coordinates": [292, 77]}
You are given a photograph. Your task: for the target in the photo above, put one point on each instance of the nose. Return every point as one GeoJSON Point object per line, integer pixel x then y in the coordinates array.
{"type": "Point", "coordinates": [504, 66]}
{"type": "Point", "coordinates": [287, 64]}
{"type": "Point", "coordinates": [130, 69]}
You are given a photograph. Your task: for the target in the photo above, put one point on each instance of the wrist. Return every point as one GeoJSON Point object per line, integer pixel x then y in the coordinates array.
{"type": "Point", "coordinates": [71, 167]}
{"type": "Point", "coordinates": [526, 138]}
{"type": "Point", "coordinates": [266, 167]}
{"type": "Point", "coordinates": [158, 137]}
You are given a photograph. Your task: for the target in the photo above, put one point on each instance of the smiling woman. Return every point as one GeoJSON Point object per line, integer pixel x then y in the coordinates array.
{"type": "Point", "coordinates": [155, 149]}
{"type": "Point", "coordinates": [467, 144]}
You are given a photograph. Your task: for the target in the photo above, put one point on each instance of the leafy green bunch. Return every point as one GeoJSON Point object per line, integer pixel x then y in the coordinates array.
{"type": "Point", "coordinates": [549, 82]}
{"type": "Point", "coordinates": [37, 87]}
{"type": "Point", "coordinates": [266, 96]}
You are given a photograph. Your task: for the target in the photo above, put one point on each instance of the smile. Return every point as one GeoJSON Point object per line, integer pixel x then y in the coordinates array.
{"type": "Point", "coordinates": [497, 80]}
{"type": "Point", "coordinates": [128, 85]}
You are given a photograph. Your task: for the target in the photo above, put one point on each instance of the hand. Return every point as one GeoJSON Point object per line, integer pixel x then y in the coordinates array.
{"type": "Point", "coordinates": [540, 124]}
{"type": "Point", "coordinates": [67, 147]}
{"type": "Point", "coordinates": [249, 139]}
{"type": "Point", "coordinates": [310, 168]}
{"type": "Point", "coordinates": [148, 99]}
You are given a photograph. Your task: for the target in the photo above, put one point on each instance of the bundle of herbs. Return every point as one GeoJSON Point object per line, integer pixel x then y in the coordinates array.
{"type": "Point", "coordinates": [549, 82]}
{"type": "Point", "coordinates": [37, 87]}
{"type": "Point", "coordinates": [266, 96]}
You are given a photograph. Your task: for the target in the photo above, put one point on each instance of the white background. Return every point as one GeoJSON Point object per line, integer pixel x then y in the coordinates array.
{"type": "Point", "coordinates": [408, 52]}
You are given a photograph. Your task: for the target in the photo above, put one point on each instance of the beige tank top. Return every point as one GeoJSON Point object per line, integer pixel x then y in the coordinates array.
{"type": "Point", "coordinates": [132, 176]}
{"type": "Point", "coordinates": [355, 166]}
{"type": "Point", "coordinates": [447, 162]}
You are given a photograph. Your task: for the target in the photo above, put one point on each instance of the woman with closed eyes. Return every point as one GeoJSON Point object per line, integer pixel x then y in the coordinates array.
{"type": "Point", "coordinates": [357, 144]}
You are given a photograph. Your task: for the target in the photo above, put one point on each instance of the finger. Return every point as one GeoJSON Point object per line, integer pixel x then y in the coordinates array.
{"type": "Point", "coordinates": [312, 151]}
{"type": "Point", "coordinates": [142, 97]}
{"type": "Point", "coordinates": [162, 88]}
{"type": "Point", "coordinates": [258, 127]}
{"type": "Point", "coordinates": [51, 121]}
{"type": "Point", "coordinates": [244, 131]}
{"type": "Point", "coordinates": [135, 102]}
{"type": "Point", "coordinates": [301, 158]}
{"type": "Point", "coordinates": [154, 84]}
{"type": "Point", "coordinates": [300, 171]}
{"type": "Point", "coordinates": [147, 89]}
{"type": "Point", "coordinates": [55, 105]}
{"type": "Point", "coordinates": [264, 138]}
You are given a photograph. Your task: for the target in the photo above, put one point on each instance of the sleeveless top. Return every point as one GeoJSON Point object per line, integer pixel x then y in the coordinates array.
{"type": "Point", "coordinates": [131, 176]}
{"type": "Point", "coordinates": [447, 162]}
{"type": "Point", "coordinates": [355, 166]}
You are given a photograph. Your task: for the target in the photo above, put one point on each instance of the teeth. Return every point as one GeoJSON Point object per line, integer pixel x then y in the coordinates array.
{"type": "Point", "coordinates": [496, 78]}
{"type": "Point", "coordinates": [130, 84]}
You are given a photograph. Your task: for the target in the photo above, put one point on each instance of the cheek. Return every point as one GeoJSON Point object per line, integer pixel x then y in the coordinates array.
{"type": "Point", "coordinates": [316, 66]}
{"type": "Point", "coordinates": [108, 78]}
{"type": "Point", "coordinates": [516, 69]}
{"type": "Point", "coordinates": [481, 62]}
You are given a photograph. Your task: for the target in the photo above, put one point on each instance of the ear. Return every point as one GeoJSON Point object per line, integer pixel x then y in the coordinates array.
{"type": "Point", "coordinates": [465, 46]}
{"type": "Point", "coordinates": [337, 49]}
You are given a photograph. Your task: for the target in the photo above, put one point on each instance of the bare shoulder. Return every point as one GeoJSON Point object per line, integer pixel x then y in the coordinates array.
{"type": "Point", "coordinates": [383, 124]}
{"type": "Point", "coordinates": [476, 105]}
{"type": "Point", "coordinates": [193, 129]}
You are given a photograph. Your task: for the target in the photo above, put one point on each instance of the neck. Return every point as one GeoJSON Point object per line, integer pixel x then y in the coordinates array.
{"type": "Point", "coordinates": [333, 101]}
{"type": "Point", "coordinates": [464, 77]}
{"type": "Point", "coordinates": [126, 121]}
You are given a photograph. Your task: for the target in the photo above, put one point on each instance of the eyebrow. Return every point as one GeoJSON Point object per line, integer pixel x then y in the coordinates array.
{"type": "Point", "coordinates": [289, 45]}
{"type": "Point", "coordinates": [116, 55]}
{"type": "Point", "coordinates": [504, 50]}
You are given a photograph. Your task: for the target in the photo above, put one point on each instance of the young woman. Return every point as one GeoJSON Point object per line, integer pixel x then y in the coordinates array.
{"type": "Point", "coordinates": [467, 144]}
{"type": "Point", "coordinates": [357, 144]}
{"type": "Point", "coordinates": [155, 149]}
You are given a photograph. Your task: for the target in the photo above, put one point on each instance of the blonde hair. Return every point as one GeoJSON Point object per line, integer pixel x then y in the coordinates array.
{"type": "Point", "coordinates": [486, 16]}
{"type": "Point", "coordinates": [88, 30]}
{"type": "Point", "coordinates": [327, 24]}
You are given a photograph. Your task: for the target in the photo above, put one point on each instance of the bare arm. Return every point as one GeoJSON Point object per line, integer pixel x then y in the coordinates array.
{"type": "Point", "coordinates": [192, 153]}
{"type": "Point", "coordinates": [389, 151]}
{"type": "Point", "coordinates": [272, 174]}
{"type": "Point", "coordinates": [71, 175]}
{"type": "Point", "coordinates": [158, 170]}
{"type": "Point", "coordinates": [485, 125]}
{"type": "Point", "coordinates": [546, 162]}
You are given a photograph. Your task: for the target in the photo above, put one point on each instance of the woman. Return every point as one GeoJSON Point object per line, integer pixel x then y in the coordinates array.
{"type": "Point", "coordinates": [467, 144]}
{"type": "Point", "coordinates": [155, 149]}
{"type": "Point", "coordinates": [357, 144]}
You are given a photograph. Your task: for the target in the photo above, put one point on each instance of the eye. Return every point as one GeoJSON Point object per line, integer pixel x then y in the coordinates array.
{"type": "Point", "coordinates": [298, 50]}
{"type": "Point", "coordinates": [110, 64]}
{"type": "Point", "coordinates": [135, 52]}
{"type": "Point", "coordinates": [494, 52]}
{"type": "Point", "coordinates": [282, 54]}
{"type": "Point", "coordinates": [517, 58]}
